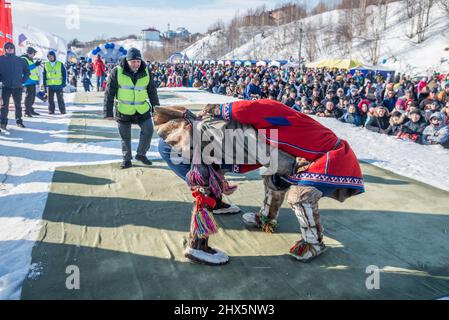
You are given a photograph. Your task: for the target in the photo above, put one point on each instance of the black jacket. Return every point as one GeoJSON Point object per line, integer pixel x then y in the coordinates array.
{"type": "Point", "coordinates": [378, 124]}
{"type": "Point", "coordinates": [411, 127]}
{"type": "Point", "coordinates": [112, 90]}
{"type": "Point", "coordinates": [14, 71]}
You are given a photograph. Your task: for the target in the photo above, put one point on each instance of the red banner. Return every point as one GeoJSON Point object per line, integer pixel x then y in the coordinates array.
{"type": "Point", "coordinates": [5, 24]}
{"type": "Point", "coordinates": [2, 24]}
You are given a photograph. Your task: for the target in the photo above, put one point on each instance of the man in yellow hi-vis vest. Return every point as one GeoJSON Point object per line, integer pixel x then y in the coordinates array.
{"type": "Point", "coordinates": [32, 82]}
{"type": "Point", "coordinates": [55, 79]}
{"type": "Point", "coordinates": [130, 87]}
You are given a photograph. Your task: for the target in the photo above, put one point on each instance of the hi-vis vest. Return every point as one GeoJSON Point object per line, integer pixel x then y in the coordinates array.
{"type": "Point", "coordinates": [132, 98]}
{"type": "Point", "coordinates": [34, 73]}
{"type": "Point", "coordinates": [54, 74]}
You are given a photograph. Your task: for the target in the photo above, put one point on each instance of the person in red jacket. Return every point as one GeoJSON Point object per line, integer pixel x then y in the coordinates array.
{"type": "Point", "coordinates": [100, 72]}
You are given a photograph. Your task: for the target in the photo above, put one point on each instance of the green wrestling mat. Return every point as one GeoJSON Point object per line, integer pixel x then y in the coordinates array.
{"type": "Point", "coordinates": [124, 230]}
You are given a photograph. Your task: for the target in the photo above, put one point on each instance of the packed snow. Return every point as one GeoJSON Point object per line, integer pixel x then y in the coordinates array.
{"type": "Point", "coordinates": [29, 157]}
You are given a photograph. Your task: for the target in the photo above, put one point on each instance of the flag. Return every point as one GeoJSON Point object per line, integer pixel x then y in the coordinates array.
{"type": "Point", "coordinates": [2, 24]}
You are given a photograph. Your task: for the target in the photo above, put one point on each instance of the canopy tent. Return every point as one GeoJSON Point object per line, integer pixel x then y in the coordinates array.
{"type": "Point", "coordinates": [292, 64]}
{"type": "Point", "coordinates": [365, 69]}
{"type": "Point", "coordinates": [40, 40]}
{"type": "Point", "coordinates": [178, 57]}
{"type": "Point", "coordinates": [220, 62]}
{"type": "Point", "coordinates": [228, 63]}
{"type": "Point", "coordinates": [261, 64]}
{"type": "Point", "coordinates": [247, 63]}
{"type": "Point", "coordinates": [238, 63]}
{"type": "Point", "coordinates": [335, 63]}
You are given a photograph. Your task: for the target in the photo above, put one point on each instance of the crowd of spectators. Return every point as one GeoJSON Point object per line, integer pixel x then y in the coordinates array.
{"type": "Point", "coordinates": [412, 109]}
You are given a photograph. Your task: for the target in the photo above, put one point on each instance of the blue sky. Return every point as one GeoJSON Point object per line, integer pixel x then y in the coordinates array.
{"type": "Point", "coordinates": [121, 17]}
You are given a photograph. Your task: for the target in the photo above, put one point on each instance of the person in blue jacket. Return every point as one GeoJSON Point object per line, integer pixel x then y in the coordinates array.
{"type": "Point", "coordinates": [31, 83]}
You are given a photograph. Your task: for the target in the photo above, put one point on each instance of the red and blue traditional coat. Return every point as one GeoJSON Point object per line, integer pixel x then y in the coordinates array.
{"type": "Point", "coordinates": [334, 164]}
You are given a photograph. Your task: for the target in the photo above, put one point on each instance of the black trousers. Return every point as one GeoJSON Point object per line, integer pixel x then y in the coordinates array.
{"type": "Point", "coordinates": [51, 100]}
{"type": "Point", "coordinates": [16, 94]}
{"type": "Point", "coordinates": [146, 133]}
{"type": "Point", "coordinates": [30, 97]}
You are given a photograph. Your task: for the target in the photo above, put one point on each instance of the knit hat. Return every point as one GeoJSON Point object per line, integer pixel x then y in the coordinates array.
{"type": "Point", "coordinates": [416, 111]}
{"type": "Point", "coordinates": [9, 45]}
{"type": "Point", "coordinates": [31, 50]}
{"type": "Point", "coordinates": [51, 53]}
{"type": "Point", "coordinates": [396, 114]}
{"type": "Point", "coordinates": [133, 54]}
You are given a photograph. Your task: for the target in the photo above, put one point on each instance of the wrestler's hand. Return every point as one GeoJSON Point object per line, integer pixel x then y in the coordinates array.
{"type": "Point", "coordinates": [212, 110]}
{"type": "Point", "coordinates": [302, 165]}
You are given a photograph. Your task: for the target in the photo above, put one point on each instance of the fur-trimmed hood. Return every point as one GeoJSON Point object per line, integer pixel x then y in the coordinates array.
{"type": "Point", "coordinates": [402, 120]}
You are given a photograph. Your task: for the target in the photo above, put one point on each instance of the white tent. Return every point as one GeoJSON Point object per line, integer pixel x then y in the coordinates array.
{"type": "Point", "coordinates": [220, 62]}
{"type": "Point", "coordinates": [238, 63]}
{"type": "Point", "coordinates": [291, 65]}
{"type": "Point", "coordinates": [274, 63]}
{"type": "Point", "coordinates": [212, 62]}
{"type": "Point", "coordinates": [40, 40]}
{"type": "Point", "coordinates": [261, 64]}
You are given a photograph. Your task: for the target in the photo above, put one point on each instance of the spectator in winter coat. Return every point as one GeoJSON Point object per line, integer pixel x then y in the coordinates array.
{"type": "Point", "coordinates": [380, 121]}
{"type": "Point", "coordinates": [291, 99]}
{"type": "Point", "coordinates": [330, 111]}
{"type": "Point", "coordinates": [87, 84]}
{"type": "Point", "coordinates": [369, 91]}
{"type": "Point", "coordinates": [400, 106]}
{"type": "Point", "coordinates": [430, 109]}
{"type": "Point", "coordinates": [397, 119]}
{"type": "Point", "coordinates": [297, 105]}
{"type": "Point", "coordinates": [443, 96]}
{"type": "Point", "coordinates": [445, 112]}
{"type": "Point", "coordinates": [14, 72]}
{"type": "Point", "coordinates": [351, 116]}
{"type": "Point", "coordinates": [390, 101]}
{"type": "Point", "coordinates": [422, 86]}
{"type": "Point", "coordinates": [432, 98]}
{"type": "Point", "coordinates": [100, 72]}
{"type": "Point", "coordinates": [413, 129]}
{"type": "Point", "coordinates": [330, 96]}
{"type": "Point", "coordinates": [253, 90]}
{"type": "Point", "coordinates": [437, 132]}
{"type": "Point", "coordinates": [363, 109]}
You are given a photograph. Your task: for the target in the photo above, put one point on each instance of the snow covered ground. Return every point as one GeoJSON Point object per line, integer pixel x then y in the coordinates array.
{"type": "Point", "coordinates": [428, 164]}
{"type": "Point", "coordinates": [28, 158]}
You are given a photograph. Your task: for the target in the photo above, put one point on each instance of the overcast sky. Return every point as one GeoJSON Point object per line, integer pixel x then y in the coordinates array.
{"type": "Point", "coordinates": [124, 17]}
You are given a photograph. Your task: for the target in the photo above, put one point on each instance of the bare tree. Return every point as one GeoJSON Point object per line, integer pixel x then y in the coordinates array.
{"type": "Point", "coordinates": [311, 44]}
{"type": "Point", "coordinates": [420, 18]}
{"type": "Point", "coordinates": [445, 5]}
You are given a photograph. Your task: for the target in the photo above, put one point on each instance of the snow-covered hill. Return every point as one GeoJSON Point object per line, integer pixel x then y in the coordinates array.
{"type": "Point", "coordinates": [321, 40]}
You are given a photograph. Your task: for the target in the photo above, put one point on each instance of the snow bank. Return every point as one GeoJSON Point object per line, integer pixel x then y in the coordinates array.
{"type": "Point", "coordinates": [427, 164]}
